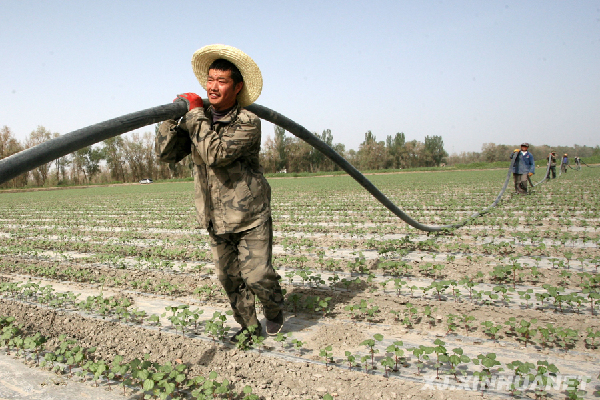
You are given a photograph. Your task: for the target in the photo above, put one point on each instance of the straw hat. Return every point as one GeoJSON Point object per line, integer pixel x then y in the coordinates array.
{"type": "Point", "coordinates": [203, 57]}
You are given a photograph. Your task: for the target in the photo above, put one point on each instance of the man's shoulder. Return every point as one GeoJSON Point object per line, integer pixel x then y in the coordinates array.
{"type": "Point", "coordinates": [247, 119]}
{"type": "Point", "coordinates": [247, 116]}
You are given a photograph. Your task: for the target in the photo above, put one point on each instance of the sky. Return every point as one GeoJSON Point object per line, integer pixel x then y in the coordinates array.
{"type": "Point", "coordinates": [472, 72]}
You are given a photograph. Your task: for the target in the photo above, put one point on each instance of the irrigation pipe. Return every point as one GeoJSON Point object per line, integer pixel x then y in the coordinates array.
{"type": "Point", "coordinates": [545, 176]}
{"type": "Point", "coordinates": [48, 151]}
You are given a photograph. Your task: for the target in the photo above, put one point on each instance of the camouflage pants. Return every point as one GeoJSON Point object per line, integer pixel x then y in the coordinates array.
{"type": "Point", "coordinates": [243, 263]}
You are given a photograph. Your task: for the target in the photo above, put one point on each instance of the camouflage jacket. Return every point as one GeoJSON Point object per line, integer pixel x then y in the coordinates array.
{"type": "Point", "coordinates": [230, 189]}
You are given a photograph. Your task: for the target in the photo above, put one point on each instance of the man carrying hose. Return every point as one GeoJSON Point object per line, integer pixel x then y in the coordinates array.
{"type": "Point", "coordinates": [564, 163]}
{"type": "Point", "coordinates": [523, 167]}
{"type": "Point", "coordinates": [232, 197]}
{"type": "Point", "coordinates": [552, 161]}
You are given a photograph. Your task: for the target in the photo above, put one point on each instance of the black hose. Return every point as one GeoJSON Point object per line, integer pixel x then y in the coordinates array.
{"type": "Point", "coordinates": [29, 159]}
{"type": "Point", "coordinates": [545, 176]}
{"type": "Point", "coordinates": [26, 160]}
{"type": "Point", "coordinates": [303, 133]}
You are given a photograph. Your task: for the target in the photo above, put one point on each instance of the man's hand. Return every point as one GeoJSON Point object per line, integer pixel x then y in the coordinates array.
{"type": "Point", "coordinates": [192, 100]}
{"type": "Point", "coordinates": [530, 174]}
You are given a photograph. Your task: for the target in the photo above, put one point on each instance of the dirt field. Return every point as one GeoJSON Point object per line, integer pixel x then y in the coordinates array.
{"type": "Point", "coordinates": [374, 308]}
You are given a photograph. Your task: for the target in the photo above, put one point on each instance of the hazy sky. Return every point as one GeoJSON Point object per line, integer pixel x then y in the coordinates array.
{"type": "Point", "coordinates": [472, 72]}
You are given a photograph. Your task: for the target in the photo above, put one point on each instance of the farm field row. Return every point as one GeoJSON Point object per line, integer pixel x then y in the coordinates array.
{"type": "Point", "coordinates": [365, 293]}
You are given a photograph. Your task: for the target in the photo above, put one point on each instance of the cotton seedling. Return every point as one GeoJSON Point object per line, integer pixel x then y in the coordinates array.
{"type": "Point", "coordinates": [428, 314]}
{"type": "Point", "coordinates": [248, 395]}
{"type": "Point", "coordinates": [455, 359]}
{"type": "Point", "coordinates": [388, 365]}
{"type": "Point", "coordinates": [396, 350]}
{"type": "Point", "coordinates": [543, 371]}
{"type": "Point", "coordinates": [118, 371]}
{"type": "Point", "coordinates": [490, 329]}
{"type": "Point", "coordinates": [487, 362]}
{"type": "Point", "coordinates": [282, 337]}
{"type": "Point", "coordinates": [322, 305]}
{"type": "Point", "coordinates": [590, 339]}
{"type": "Point", "coordinates": [410, 312]}
{"type": "Point", "coordinates": [257, 341]}
{"type": "Point", "coordinates": [398, 284]}
{"type": "Point", "coordinates": [441, 355]}
{"type": "Point", "coordinates": [451, 322]}
{"type": "Point", "coordinates": [350, 359]}
{"type": "Point", "coordinates": [327, 354]}
{"type": "Point", "coordinates": [439, 287]}
{"type": "Point", "coordinates": [370, 344]}
{"type": "Point", "coordinates": [297, 344]}
{"type": "Point", "coordinates": [215, 327]}
{"type": "Point", "coordinates": [365, 361]}
{"type": "Point", "coordinates": [523, 375]}
{"type": "Point", "coordinates": [565, 337]}
{"type": "Point", "coordinates": [525, 295]}
{"type": "Point", "coordinates": [468, 322]}
{"type": "Point", "coordinates": [294, 299]}
{"type": "Point", "coordinates": [524, 330]}
{"type": "Point", "coordinates": [573, 391]}
{"type": "Point", "coordinates": [422, 353]}
{"type": "Point", "coordinates": [35, 343]}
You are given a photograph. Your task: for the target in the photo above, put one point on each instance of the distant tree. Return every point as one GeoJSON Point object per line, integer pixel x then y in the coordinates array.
{"type": "Point", "coordinates": [319, 161]}
{"type": "Point", "coordinates": [298, 154]}
{"type": "Point", "coordinates": [395, 149]}
{"type": "Point", "coordinates": [371, 153]}
{"type": "Point", "coordinates": [87, 161]}
{"type": "Point", "coordinates": [61, 164]}
{"type": "Point", "coordinates": [281, 143]}
{"type": "Point", "coordinates": [434, 150]}
{"type": "Point", "coordinates": [134, 155]}
{"type": "Point", "coordinates": [40, 135]}
{"type": "Point", "coordinates": [114, 156]}
{"type": "Point", "coordinates": [9, 146]}
{"type": "Point", "coordinates": [413, 151]}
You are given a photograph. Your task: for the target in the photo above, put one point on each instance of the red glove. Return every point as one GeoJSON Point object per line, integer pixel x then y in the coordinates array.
{"type": "Point", "coordinates": [192, 100]}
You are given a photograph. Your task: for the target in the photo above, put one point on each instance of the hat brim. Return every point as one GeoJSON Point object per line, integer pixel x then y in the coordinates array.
{"type": "Point", "coordinates": [204, 57]}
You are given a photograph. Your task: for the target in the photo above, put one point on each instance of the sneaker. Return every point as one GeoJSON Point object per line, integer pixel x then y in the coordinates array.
{"type": "Point", "coordinates": [275, 325]}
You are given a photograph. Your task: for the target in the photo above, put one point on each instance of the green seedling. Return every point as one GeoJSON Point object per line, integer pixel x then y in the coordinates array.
{"type": "Point", "coordinates": [327, 355]}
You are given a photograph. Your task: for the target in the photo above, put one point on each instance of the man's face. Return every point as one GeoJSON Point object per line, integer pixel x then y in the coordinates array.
{"type": "Point", "coordinates": [524, 148]}
{"type": "Point", "coordinates": [220, 89]}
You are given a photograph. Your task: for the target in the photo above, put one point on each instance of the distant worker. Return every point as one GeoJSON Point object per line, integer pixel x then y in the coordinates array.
{"type": "Point", "coordinates": [523, 167]}
{"type": "Point", "coordinates": [552, 161]}
{"type": "Point", "coordinates": [578, 162]}
{"type": "Point", "coordinates": [564, 163]}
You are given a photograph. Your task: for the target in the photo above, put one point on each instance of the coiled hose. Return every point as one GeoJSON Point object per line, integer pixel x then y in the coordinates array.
{"type": "Point", "coordinates": [48, 151]}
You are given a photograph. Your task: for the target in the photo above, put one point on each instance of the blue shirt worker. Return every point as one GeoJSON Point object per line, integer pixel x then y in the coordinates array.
{"type": "Point", "coordinates": [564, 163]}
{"type": "Point", "coordinates": [523, 167]}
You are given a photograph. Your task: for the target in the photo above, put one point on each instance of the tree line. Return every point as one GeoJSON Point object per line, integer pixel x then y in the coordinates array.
{"type": "Point", "coordinates": [491, 152]}
{"type": "Point", "coordinates": [291, 154]}
{"type": "Point", "coordinates": [131, 157]}
{"type": "Point", "coordinates": [125, 158]}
